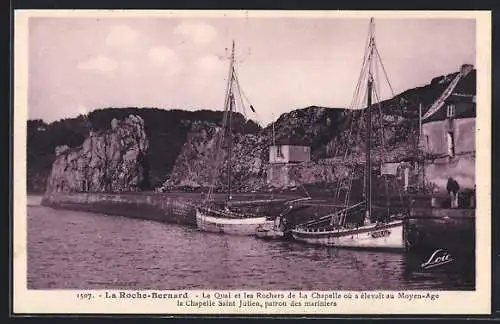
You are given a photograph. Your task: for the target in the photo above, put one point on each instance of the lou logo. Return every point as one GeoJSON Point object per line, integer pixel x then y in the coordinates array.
{"type": "Point", "coordinates": [439, 257]}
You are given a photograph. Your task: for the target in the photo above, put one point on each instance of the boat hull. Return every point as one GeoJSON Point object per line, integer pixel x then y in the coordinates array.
{"type": "Point", "coordinates": [235, 226]}
{"type": "Point", "coordinates": [388, 236]}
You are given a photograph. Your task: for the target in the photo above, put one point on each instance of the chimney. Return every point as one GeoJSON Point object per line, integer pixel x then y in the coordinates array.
{"type": "Point", "coordinates": [465, 69]}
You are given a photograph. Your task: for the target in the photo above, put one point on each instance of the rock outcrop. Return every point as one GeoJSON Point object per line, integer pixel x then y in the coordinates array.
{"type": "Point", "coordinates": [335, 136]}
{"type": "Point", "coordinates": [203, 159]}
{"type": "Point", "coordinates": [312, 126]}
{"type": "Point", "coordinates": [324, 130]}
{"type": "Point", "coordinates": [108, 161]}
{"type": "Point", "coordinates": [166, 130]}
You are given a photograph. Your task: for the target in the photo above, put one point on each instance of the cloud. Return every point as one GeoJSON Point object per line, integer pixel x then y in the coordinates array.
{"type": "Point", "coordinates": [127, 65]}
{"type": "Point", "coordinates": [121, 35]}
{"type": "Point", "coordinates": [209, 64]}
{"type": "Point", "coordinates": [99, 63]}
{"type": "Point", "coordinates": [158, 57]}
{"type": "Point", "coordinates": [164, 57]}
{"type": "Point", "coordinates": [198, 33]}
{"type": "Point", "coordinates": [209, 78]}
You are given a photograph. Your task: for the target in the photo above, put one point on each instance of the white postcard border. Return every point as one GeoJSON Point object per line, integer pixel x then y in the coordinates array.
{"type": "Point", "coordinates": [66, 301]}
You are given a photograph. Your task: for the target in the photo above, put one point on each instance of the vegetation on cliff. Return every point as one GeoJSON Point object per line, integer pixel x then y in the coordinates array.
{"type": "Point", "coordinates": [166, 131]}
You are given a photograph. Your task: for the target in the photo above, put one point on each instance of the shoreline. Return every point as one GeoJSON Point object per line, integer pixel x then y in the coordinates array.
{"type": "Point", "coordinates": [149, 206]}
{"type": "Point", "coordinates": [174, 207]}
{"type": "Point", "coordinates": [425, 225]}
{"type": "Point", "coordinates": [179, 207]}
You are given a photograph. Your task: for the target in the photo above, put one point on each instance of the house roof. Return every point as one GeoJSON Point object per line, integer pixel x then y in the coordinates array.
{"type": "Point", "coordinates": [463, 97]}
{"type": "Point", "coordinates": [462, 93]}
{"type": "Point", "coordinates": [463, 109]}
{"type": "Point", "coordinates": [457, 97]}
{"type": "Point", "coordinates": [291, 141]}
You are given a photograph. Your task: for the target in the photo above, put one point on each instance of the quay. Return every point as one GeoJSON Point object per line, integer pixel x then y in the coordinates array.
{"type": "Point", "coordinates": [425, 225]}
{"type": "Point", "coordinates": [172, 207]}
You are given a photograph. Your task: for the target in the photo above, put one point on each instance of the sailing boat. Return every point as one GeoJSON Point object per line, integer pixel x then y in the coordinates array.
{"type": "Point", "coordinates": [219, 218]}
{"type": "Point", "coordinates": [352, 225]}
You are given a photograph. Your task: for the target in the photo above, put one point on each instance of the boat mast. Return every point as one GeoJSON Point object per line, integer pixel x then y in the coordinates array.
{"type": "Point", "coordinates": [274, 136]}
{"type": "Point", "coordinates": [419, 121]}
{"type": "Point", "coordinates": [368, 173]}
{"type": "Point", "coordinates": [230, 101]}
{"type": "Point", "coordinates": [420, 161]}
{"type": "Point", "coordinates": [368, 186]}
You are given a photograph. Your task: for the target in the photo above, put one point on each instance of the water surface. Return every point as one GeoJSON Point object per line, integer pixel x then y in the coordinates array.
{"type": "Point", "coordinates": [78, 250]}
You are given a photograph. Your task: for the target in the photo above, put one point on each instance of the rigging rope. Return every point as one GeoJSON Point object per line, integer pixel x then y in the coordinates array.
{"type": "Point", "coordinates": [220, 140]}
{"type": "Point", "coordinates": [355, 104]}
{"type": "Point", "coordinates": [242, 97]}
{"type": "Point", "coordinates": [383, 69]}
{"type": "Point", "coordinates": [369, 67]}
{"type": "Point", "coordinates": [240, 92]}
{"type": "Point", "coordinates": [385, 153]}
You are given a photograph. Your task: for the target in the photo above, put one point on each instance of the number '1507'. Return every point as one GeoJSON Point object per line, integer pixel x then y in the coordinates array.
{"type": "Point", "coordinates": [84, 296]}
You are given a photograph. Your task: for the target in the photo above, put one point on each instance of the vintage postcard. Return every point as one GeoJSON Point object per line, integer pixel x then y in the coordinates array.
{"type": "Point", "coordinates": [252, 162]}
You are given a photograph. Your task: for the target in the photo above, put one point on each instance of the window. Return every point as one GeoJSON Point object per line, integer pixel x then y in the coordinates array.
{"type": "Point", "coordinates": [451, 144]}
{"type": "Point", "coordinates": [279, 152]}
{"type": "Point", "coordinates": [450, 111]}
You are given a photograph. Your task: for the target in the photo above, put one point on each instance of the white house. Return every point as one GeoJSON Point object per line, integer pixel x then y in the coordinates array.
{"type": "Point", "coordinates": [289, 154]}
{"type": "Point", "coordinates": [448, 138]}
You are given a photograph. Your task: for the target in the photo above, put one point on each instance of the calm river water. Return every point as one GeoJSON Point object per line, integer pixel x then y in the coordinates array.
{"type": "Point", "coordinates": [78, 250]}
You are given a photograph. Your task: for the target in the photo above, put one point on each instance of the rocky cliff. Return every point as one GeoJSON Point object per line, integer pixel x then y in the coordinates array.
{"type": "Point", "coordinates": [166, 131]}
{"type": "Point", "coordinates": [107, 161]}
{"type": "Point", "coordinates": [203, 158]}
{"type": "Point", "coordinates": [325, 130]}
{"type": "Point", "coordinates": [329, 132]}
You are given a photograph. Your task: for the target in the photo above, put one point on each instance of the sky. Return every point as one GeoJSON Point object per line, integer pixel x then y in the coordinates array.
{"type": "Point", "coordinates": [78, 64]}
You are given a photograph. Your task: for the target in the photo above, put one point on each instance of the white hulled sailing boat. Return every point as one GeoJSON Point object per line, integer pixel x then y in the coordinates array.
{"type": "Point", "coordinates": [219, 218]}
{"type": "Point", "coordinates": [354, 225]}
